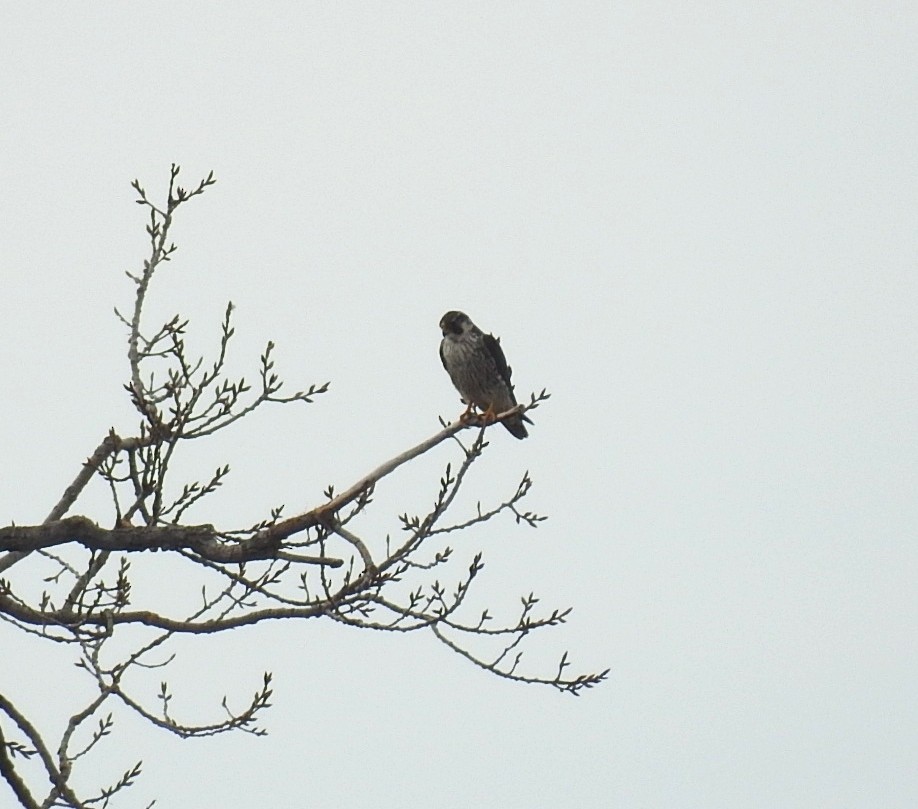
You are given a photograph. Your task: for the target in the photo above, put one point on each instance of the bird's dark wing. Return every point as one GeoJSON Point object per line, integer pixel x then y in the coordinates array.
{"type": "Point", "coordinates": [492, 344]}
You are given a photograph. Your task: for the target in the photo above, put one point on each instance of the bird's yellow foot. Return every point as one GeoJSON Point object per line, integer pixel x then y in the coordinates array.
{"type": "Point", "coordinates": [468, 414]}
{"type": "Point", "coordinates": [489, 416]}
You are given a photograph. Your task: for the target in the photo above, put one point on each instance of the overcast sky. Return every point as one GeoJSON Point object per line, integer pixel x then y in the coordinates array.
{"type": "Point", "coordinates": [695, 224]}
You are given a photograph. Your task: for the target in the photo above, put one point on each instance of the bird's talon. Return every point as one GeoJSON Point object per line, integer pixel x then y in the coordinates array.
{"type": "Point", "coordinates": [466, 416]}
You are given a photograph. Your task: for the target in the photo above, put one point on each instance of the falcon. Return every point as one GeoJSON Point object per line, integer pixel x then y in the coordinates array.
{"type": "Point", "coordinates": [476, 364]}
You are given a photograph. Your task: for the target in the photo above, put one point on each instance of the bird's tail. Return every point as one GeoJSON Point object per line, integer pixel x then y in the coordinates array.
{"type": "Point", "coordinates": [515, 426]}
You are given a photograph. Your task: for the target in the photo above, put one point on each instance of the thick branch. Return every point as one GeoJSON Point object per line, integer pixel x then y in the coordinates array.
{"type": "Point", "coordinates": [19, 540]}
{"type": "Point", "coordinates": [201, 539]}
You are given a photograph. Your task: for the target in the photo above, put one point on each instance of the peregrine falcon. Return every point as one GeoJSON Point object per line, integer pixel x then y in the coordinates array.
{"type": "Point", "coordinates": [476, 364]}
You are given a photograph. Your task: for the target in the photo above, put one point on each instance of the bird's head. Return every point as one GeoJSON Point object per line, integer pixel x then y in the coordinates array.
{"type": "Point", "coordinates": [455, 323]}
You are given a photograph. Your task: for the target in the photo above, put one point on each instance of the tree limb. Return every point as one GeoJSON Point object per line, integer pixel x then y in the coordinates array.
{"type": "Point", "coordinates": [34, 737]}
{"type": "Point", "coordinates": [202, 539]}
{"type": "Point", "coordinates": [8, 771]}
{"type": "Point", "coordinates": [324, 515]}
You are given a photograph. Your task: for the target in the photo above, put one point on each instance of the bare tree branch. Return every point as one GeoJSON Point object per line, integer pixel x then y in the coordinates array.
{"type": "Point", "coordinates": [35, 739]}
{"type": "Point", "coordinates": [12, 777]}
{"type": "Point", "coordinates": [201, 539]}
{"type": "Point", "coordinates": [333, 560]}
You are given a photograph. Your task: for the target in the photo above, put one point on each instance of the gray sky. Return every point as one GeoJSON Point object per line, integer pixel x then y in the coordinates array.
{"type": "Point", "coordinates": [694, 224]}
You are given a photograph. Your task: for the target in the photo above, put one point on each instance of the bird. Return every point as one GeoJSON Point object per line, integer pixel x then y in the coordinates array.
{"type": "Point", "coordinates": [476, 364]}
